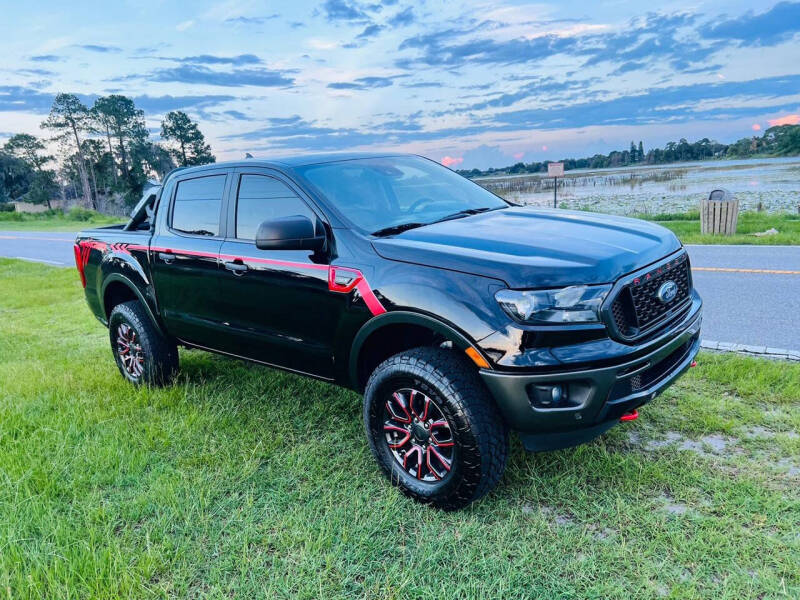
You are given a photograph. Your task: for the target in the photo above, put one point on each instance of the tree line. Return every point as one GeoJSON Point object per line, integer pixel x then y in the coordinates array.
{"type": "Point", "coordinates": [781, 140]}
{"type": "Point", "coordinates": [104, 152]}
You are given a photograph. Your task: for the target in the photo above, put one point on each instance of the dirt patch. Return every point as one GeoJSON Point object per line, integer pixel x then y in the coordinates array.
{"type": "Point", "coordinates": [673, 507]}
{"type": "Point", "coordinates": [791, 468]}
{"type": "Point", "coordinates": [708, 445]}
{"type": "Point", "coordinates": [758, 432]}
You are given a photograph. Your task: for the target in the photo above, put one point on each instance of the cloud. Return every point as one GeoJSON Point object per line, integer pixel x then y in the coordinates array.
{"type": "Point", "coordinates": [655, 39]}
{"type": "Point", "coordinates": [369, 31]}
{"type": "Point", "coordinates": [197, 74]}
{"type": "Point", "coordinates": [237, 115]}
{"type": "Point", "coordinates": [424, 84]}
{"type": "Point", "coordinates": [210, 59]}
{"type": "Point", "coordinates": [183, 26]}
{"type": "Point", "coordinates": [25, 99]}
{"type": "Point", "coordinates": [785, 120]}
{"type": "Point", "coordinates": [450, 161]}
{"type": "Point", "coordinates": [404, 18]}
{"type": "Point", "coordinates": [658, 105]}
{"type": "Point", "coordinates": [98, 48]}
{"type": "Point", "coordinates": [774, 26]}
{"type": "Point", "coordinates": [163, 104]}
{"type": "Point", "coordinates": [755, 127]}
{"type": "Point", "coordinates": [35, 72]}
{"type": "Point", "coordinates": [46, 58]}
{"type": "Point", "coordinates": [342, 10]}
{"type": "Point", "coordinates": [251, 20]}
{"type": "Point", "coordinates": [362, 83]}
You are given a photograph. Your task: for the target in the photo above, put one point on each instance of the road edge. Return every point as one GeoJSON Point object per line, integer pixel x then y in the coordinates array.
{"type": "Point", "coordinates": [748, 350]}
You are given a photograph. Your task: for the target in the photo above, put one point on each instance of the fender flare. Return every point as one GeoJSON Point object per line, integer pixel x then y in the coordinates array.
{"type": "Point", "coordinates": [401, 317]}
{"type": "Point", "coordinates": [117, 277]}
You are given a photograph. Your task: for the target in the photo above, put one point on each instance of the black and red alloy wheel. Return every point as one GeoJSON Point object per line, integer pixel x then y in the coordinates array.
{"type": "Point", "coordinates": [418, 435]}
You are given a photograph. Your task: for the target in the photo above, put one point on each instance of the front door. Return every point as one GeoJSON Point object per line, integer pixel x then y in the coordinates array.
{"type": "Point", "coordinates": [278, 306]}
{"type": "Point", "coordinates": [184, 255]}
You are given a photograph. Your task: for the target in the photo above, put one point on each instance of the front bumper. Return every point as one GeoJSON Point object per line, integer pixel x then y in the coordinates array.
{"type": "Point", "coordinates": [598, 397]}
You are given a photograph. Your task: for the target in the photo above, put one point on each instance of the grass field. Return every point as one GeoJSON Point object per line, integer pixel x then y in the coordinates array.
{"type": "Point", "coordinates": [240, 481]}
{"type": "Point", "coordinates": [73, 220]}
{"type": "Point", "coordinates": [687, 228]}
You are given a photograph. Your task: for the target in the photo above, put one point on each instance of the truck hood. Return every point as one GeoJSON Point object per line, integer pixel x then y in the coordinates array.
{"type": "Point", "coordinates": [533, 248]}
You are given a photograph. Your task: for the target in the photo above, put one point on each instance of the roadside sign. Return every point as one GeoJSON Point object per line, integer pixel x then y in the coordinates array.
{"type": "Point", "coordinates": [555, 170]}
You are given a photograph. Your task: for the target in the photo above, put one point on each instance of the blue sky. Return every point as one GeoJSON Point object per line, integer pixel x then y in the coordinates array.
{"type": "Point", "coordinates": [473, 84]}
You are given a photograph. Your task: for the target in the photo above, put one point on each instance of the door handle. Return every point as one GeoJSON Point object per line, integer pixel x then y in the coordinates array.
{"type": "Point", "coordinates": [238, 268]}
{"type": "Point", "coordinates": [167, 257]}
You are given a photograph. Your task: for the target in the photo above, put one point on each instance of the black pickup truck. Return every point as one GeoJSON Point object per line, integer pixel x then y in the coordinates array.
{"type": "Point", "coordinates": [457, 315]}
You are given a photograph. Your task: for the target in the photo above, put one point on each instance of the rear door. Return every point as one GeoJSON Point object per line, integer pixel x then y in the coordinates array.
{"type": "Point", "coordinates": [278, 306]}
{"type": "Point", "coordinates": [184, 255]}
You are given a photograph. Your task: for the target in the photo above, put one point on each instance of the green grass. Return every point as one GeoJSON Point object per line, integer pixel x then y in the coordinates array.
{"type": "Point", "coordinates": [241, 481]}
{"type": "Point", "coordinates": [73, 220]}
{"type": "Point", "coordinates": [687, 228]}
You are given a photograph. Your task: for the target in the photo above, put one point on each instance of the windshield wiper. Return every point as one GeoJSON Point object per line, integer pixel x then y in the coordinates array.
{"type": "Point", "coordinates": [393, 229]}
{"type": "Point", "coordinates": [465, 213]}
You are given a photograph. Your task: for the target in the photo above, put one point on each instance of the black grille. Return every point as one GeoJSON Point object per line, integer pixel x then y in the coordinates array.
{"type": "Point", "coordinates": [637, 307]}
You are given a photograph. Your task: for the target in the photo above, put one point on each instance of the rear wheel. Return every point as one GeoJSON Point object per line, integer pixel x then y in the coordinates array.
{"type": "Point", "coordinates": [142, 354]}
{"type": "Point", "coordinates": [433, 427]}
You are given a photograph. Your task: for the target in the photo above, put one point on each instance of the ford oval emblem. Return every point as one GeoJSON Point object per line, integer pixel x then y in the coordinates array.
{"type": "Point", "coordinates": [667, 291]}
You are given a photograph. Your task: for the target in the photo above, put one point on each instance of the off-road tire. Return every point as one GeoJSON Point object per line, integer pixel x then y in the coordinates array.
{"type": "Point", "coordinates": [159, 355]}
{"type": "Point", "coordinates": [480, 435]}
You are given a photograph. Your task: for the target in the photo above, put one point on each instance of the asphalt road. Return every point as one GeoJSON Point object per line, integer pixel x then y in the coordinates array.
{"type": "Point", "coordinates": [748, 300]}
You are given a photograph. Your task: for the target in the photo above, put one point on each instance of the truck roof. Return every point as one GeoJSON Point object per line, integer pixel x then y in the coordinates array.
{"type": "Point", "coordinates": [293, 161]}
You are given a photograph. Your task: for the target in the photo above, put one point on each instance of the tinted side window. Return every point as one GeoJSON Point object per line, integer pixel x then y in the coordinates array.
{"type": "Point", "coordinates": [261, 198]}
{"type": "Point", "coordinates": [197, 205]}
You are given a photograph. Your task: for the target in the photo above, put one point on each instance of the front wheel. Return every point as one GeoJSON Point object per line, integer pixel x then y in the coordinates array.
{"type": "Point", "coordinates": [143, 355]}
{"type": "Point", "coordinates": [433, 427]}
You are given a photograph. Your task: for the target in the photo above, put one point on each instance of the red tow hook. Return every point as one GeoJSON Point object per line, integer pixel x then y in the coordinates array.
{"type": "Point", "coordinates": [631, 416]}
{"type": "Point", "coordinates": [694, 364]}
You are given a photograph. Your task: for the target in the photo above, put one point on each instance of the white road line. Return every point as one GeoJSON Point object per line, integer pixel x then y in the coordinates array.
{"type": "Point", "coordinates": [42, 260]}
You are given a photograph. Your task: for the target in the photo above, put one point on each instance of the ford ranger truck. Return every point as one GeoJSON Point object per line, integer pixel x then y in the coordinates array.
{"type": "Point", "coordinates": [457, 315]}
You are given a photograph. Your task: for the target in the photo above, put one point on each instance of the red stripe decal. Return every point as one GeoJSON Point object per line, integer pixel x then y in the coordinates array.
{"type": "Point", "coordinates": [354, 278]}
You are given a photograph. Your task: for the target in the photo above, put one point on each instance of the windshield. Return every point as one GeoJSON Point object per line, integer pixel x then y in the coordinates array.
{"type": "Point", "coordinates": [396, 193]}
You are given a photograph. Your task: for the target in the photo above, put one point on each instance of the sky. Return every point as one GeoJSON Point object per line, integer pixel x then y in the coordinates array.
{"type": "Point", "coordinates": [470, 84]}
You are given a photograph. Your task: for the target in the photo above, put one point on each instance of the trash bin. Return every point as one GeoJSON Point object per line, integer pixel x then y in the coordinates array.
{"type": "Point", "coordinates": [719, 214]}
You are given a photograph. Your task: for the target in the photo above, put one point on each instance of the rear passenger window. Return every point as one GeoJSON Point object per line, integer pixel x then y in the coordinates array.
{"type": "Point", "coordinates": [261, 198]}
{"type": "Point", "coordinates": [197, 205]}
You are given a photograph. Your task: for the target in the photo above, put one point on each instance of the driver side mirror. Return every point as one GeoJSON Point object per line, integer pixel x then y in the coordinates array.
{"type": "Point", "coordinates": [296, 232]}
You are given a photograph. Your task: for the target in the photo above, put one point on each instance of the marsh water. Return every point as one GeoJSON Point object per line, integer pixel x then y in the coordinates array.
{"type": "Point", "coordinates": [769, 184]}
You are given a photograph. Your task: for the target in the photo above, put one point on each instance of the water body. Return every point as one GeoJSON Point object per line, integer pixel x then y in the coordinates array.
{"type": "Point", "coordinates": [770, 184]}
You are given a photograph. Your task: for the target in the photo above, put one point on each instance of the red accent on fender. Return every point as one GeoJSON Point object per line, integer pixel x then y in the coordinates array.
{"type": "Point", "coordinates": [83, 250]}
{"type": "Point", "coordinates": [631, 416]}
{"type": "Point", "coordinates": [335, 287]}
{"type": "Point", "coordinates": [79, 264]}
{"type": "Point", "coordinates": [359, 283]}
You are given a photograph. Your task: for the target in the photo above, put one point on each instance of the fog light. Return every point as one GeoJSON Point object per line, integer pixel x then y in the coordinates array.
{"type": "Point", "coordinates": [547, 396]}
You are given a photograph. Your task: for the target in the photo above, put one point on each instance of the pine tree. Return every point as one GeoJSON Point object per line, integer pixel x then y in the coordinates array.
{"type": "Point", "coordinates": [191, 147]}
{"type": "Point", "coordinates": [69, 118]}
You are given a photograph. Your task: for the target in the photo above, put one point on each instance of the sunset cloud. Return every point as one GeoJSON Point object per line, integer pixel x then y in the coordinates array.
{"type": "Point", "coordinates": [785, 120]}
{"type": "Point", "coordinates": [450, 161]}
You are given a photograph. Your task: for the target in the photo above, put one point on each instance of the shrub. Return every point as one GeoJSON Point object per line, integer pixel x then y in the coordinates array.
{"type": "Point", "coordinates": [76, 213]}
{"type": "Point", "coordinates": [7, 207]}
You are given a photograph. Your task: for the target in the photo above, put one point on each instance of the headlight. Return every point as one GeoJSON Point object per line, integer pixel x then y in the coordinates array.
{"type": "Point", "coordinates": [574, 304]}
